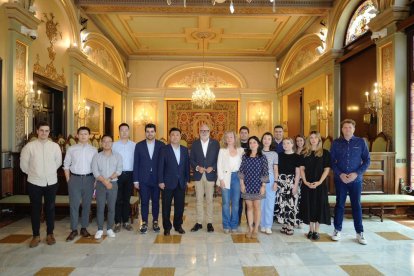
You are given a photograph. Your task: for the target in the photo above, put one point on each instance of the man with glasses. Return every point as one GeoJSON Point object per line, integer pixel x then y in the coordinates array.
{"type": "Point", "coordinates": [203, 160]}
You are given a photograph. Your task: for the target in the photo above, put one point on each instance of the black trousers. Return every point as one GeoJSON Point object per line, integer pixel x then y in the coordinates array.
{"type": "Point", "coordinates": [36, 193]}
{"type": "Point", "coordinates": [178, 194]}
{"type": "Point", "coordinates": [122, 207]}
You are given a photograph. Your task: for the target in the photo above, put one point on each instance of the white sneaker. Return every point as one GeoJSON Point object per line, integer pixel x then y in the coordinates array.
{"type": "Point", "coordinates": [361, 239]}
{"type": "Point", "coordinates": [98, 234]}
{"type": "Point", "coordinates": [263, 230]}
{"type": "Point", "coordinates": [269, 231]}
{"type": "Point", "coordinates": [110, 233]}
{"type": "Point", "coordinates": [336, 236]}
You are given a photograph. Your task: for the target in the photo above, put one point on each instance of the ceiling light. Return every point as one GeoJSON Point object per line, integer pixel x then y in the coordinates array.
{"type": "Point", "coordinates": [231, 7]}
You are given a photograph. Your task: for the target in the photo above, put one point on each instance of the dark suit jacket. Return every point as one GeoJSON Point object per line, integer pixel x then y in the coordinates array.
{"type": "Point", "coordinates": [197, 158]}
{"type": "Point", "coordinates": [169, 172]}
{"type": "Point", "coordinates": [143, 164]}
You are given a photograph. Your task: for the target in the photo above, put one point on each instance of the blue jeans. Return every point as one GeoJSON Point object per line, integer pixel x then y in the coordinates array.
{"type": "Point", "coordinates": [231, 197]}
{"type": "Point", "coordinates": [268, 205]}
{"type": "Point", "coordinates": [354, 190]}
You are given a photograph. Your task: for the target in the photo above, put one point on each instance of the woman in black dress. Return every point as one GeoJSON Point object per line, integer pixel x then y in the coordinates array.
{"type": "Point", "coordinates": [314, 205]}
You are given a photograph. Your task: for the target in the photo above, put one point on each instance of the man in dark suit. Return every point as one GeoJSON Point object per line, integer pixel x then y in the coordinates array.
{"type": "Point", "coordinates": [145, 176]}
{"type": "Point", "coordinates": [203, 160]}
{"type": "Point", "coordinates": [173, 177]}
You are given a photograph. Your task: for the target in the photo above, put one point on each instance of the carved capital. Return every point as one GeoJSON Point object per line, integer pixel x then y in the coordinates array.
{"type": "Point", "coordinates": [17, 14]}
{"type": "Point", "coordinates": [388, 17]}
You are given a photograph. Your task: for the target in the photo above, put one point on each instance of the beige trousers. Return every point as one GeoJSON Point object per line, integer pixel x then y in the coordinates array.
{"type": "Point", "coordinates": [204, 187]}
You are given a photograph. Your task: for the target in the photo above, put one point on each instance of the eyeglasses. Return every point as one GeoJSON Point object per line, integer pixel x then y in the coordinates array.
{"type": "Point", "coordinates": [204, 130]}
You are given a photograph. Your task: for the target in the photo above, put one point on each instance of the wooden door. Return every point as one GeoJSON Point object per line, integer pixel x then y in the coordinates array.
{"type": "Point", "coordinates": [295, 113]}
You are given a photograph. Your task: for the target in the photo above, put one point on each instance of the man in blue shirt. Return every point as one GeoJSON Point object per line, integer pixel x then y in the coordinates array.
{"type": "Point", "coordinates": [350, 159]}
{"type": "Point", "coordinates": [278, 133]}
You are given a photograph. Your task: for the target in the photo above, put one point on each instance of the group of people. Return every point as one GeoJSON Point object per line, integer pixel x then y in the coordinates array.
{"type": "Point", "coordinates": [278, 179]}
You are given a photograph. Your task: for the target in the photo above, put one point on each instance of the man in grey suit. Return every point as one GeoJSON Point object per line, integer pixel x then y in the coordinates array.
{"type": "Point", "coordinates": [203, 160]}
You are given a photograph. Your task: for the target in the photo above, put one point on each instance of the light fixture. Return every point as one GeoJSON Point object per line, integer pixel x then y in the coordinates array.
{"type": "Point", "coordinates": [144, 118]}
{"type": "Point", "coordinates": [259, 119]}
{"type": "Point", "coordinates": [376, 99]}
{"type": "Point", "coordinates": [82, 112]}
{"type": "Point", "coordinates": [231, 7]}
{"type": "Point", "coordinates": [203, 96]}
{"type": "Point", "coordinates": [323, 112]}
{"type": "Point", "coordinates": [31, 101]}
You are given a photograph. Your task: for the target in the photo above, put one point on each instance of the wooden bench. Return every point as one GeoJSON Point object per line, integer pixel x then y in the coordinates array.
{"type": "Point", "coordinates": [382, 201]}
{"type": "Point", "coordinates": [63, 201]}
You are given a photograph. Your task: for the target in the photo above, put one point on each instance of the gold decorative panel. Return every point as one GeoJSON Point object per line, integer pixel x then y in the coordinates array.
{"type": "Point", "coordinates": [302, 59]}
{"type": "Point", "coordinates": [215, 78]}
{"type": "Point", "coordinates": [20, 77]}
{"type": "Point", "coordinates": [387, 77]}
{"type": "Point", "coordinates": [53, 34]}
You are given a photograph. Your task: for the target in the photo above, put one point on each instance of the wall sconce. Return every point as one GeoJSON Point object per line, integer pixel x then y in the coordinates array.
{"type": "Point", "coordinates": [82, 112]}
{"type": "Point", "coordinates": [144, 118]}
{"type": "Point", "coordinates": [259, 119]}
{"type": "Point", "coordinates": [31, 101]}
{"type": "Point", "coordinates": [323, 112]}
{"type": "Point", "coordinates": [376, 99]}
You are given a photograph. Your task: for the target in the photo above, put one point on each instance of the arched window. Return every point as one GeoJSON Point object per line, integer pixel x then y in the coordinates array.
{"type": "Point", "coordinates": [358, 25]}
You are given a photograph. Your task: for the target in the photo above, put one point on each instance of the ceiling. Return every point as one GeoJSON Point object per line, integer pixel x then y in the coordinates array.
{"type": "Point", "coordinates": [152, 27]}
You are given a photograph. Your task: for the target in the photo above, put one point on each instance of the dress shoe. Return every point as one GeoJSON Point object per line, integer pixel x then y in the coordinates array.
{"type": "Point", "coordinates": [34, 242]}
{"type": "Point", "coordinates": [72, 235]}
{"type": "Point", "coordinates": [210, 227]}
{"type": "Point", "coordinates": [127, 226]}
{"type": "Point", "coordinates": [180, 230]}
{"type": "Point", "coordinates": [84, 233]}
{"type": "Point", "coordinates": [315, 236]}
{"type": "Point", "coordinates": [166, 232]}
{"type": "Point", "coordinates": [50, 239]}
{"type": "Point", "coordinates": [117, 228]}
{"type": "Point", "coordinates": [155, 227]}
{"type": "Point", "coordinates": [196, 227]}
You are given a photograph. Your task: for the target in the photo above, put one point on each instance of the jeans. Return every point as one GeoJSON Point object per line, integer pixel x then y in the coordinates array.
{"type": "Point", "coordinates": [103, 195]}
{"type": "Point", "coordinates": [35, 194]}
{"type": "Point", "coordinates": [268, 205]}
{"type": "Point", "coordinates": [231, 197]}
{"type": "Point", "coordinates": [354, 190]}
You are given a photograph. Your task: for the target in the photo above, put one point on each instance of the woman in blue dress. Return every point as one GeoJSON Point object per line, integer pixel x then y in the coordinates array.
{"type": "Point", "coordinates": [254, 175]}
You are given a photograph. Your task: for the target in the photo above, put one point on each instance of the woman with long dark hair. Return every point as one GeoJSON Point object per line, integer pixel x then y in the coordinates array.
{"type": "Point", "coordinates": [254, 175]}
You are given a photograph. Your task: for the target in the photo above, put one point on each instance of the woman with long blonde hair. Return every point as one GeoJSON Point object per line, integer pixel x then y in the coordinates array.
{"type": "Point", "coordinates": [314, 168]}
{"type": "Point", "coordinates": [228, 164]}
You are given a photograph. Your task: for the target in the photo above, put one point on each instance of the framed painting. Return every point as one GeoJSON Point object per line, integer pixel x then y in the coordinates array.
{"type": "Point", "coordinates": [94, 116]}
{"type": "Point", "coordinates": [313, 116]}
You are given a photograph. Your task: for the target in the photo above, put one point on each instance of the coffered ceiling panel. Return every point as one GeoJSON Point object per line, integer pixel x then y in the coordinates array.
{"type": "Point", "coordinates": [151, 27]}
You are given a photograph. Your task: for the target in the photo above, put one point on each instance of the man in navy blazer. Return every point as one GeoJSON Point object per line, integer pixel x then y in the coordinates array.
{"type": "Point", "coordinates": [145, 176]}
{"type": "Point", "coordinates": [203, 160]}
{"type": "Point", "coordinates": [173, 177]}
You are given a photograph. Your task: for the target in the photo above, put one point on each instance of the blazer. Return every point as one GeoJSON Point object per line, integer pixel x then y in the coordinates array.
{"type": "Point", "coordinates": [223, 165]}
{"type": "Point", "coordinates": [197, 158]}
{"type": "Point", "coordinates": [145, 168]}
{"type": "Point", "coordinates": [169, 172]}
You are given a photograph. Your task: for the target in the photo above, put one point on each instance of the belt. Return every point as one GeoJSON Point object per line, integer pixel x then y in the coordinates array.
{"type": "Point", "coordinates": [81, 175]}
{"type": "Point", "coordinates": [126, 172]}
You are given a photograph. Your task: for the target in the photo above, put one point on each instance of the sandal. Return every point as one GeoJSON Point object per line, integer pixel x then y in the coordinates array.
{"type": "Point", "coordinates": [283, 230]}
{"type": "Point", "coordinates": [289, 232]}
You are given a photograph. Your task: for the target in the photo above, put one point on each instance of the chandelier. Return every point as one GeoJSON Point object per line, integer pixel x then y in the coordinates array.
{"type": "Point", "coordinates": [231, 5]}
{"type": "Point", "coordinates": [376, 99]}
{"type": "Point", "coordinates": [203, 96]}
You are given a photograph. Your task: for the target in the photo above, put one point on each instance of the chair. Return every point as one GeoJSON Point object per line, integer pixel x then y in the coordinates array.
{"type": "Point", "coordinates": [381, 143]}
{"type": "Point", "coordinates": [327, 143]}
{"type": "Point", "coordinates": [367, 142]}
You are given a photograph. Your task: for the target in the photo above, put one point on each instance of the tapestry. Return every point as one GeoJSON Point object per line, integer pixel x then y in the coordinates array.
{"type": "Point", "coordinates": [222, 116]}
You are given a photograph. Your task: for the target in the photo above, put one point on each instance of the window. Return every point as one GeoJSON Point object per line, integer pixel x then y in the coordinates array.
{"type": "Point", "coordinates": [358, 25]}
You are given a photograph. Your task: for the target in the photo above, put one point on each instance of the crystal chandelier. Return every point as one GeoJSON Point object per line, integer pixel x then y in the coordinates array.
{"type": "Point", "coordinates": [202, 95]}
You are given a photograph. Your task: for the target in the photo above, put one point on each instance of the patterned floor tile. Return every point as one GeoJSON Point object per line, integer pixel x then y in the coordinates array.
{"type": "Point", "coordinates": [259, 271]}
{"type": "Point", "coordinates": [393, 236]}
{"type": "Point", "coordinates": [90, 240]}
{"type": "Point", "coordinates": [55, 271]}
{"type": "Point", "coordinates": [358, 270]}
{"type": "Point", "coordinates": [241, 238]}
{"type": "Point", "coordinates": [15, 238]}
{"type": "Point", "coordinates": [168, 239]}
{"type": "Point", "coordinates": [159, 271]}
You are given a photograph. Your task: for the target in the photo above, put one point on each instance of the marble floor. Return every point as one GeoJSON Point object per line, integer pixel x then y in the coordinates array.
{"type": "Point", "coordinates": [390, 251]}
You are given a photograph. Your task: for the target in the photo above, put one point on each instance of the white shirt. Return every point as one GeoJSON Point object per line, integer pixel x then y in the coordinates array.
{"type": "Point", "coordinates": [78, 158]}
{"type": "Point", "coordinates": [40, 161]}
{"type": "Point", "coordinates": [151, 147]}
{"type": "Point", "coordinates": [126, 150]}
{"type": "Point", "coordinates": [204, 145]}
{"type": "Point", "coordinates": [177, 153]}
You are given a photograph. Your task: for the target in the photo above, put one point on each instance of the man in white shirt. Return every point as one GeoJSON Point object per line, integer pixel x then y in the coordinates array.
{"type": "Point", "coordinates": [78, 172]}
{"type": "Point", "coordinates": [40, 160]}
{"type": "Point", "coordinates": [125, 148]}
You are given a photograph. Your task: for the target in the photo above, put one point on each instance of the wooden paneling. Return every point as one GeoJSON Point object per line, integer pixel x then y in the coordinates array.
{"type": "Point", "coordinates": [6, 181]}
{"type": "Point", "coordinates": [358, 74]}
{"type": "Point", "coordinates": [379, 178]}
{"type": "Point", "coordinates": [295, 113]}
